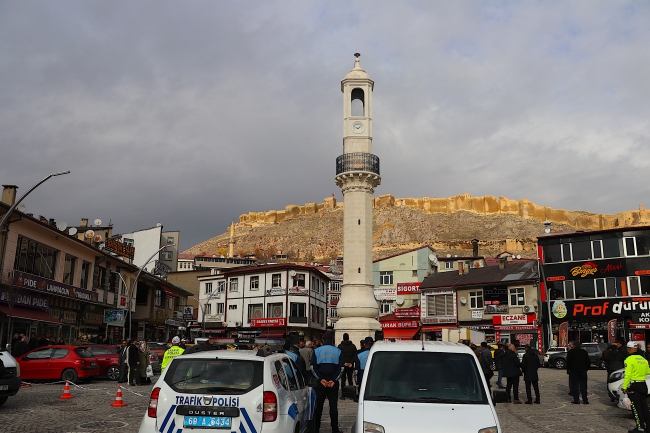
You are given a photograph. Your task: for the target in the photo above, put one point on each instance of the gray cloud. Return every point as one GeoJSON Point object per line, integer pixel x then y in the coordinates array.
{"type": "Point", "coordinates": [191, 113]}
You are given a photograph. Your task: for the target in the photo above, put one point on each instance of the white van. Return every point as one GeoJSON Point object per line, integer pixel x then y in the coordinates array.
{"type": "Point", "coordinates": [425, 386]}
{"type": "Point", "coordinates": [9, 376]}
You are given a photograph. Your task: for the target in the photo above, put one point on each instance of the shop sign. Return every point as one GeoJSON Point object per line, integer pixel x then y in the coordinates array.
{"type": "Point", "coordinates": [119, 248]}
{"type": "Point", "coordinates": [54, 287]}
{"type": "Point", "coordinates": [90, 317]}
{"type": "Point", "coordinates": [511, 319]}
{"type": "Point", "coordinates": [439, 319]}
{"type": "Point", "coordinates": [477, 314]}
{"type": "Point", "coordinates": [408, 288]}
{"type": "Point", "coordinates": [188, 313]}
{"type": "Point", "coordinates": [599, 308]}
{"type": "Point", "coordinates": [276, 291]}
{"type": "Point", "coordinates": [172, 322]}
{"type": "Point", "coordinates": [25, 298]}
{"type": "Point", "coordinates": [641, 317]}
{"type": "Point", "coordinates": [524, 339]}
{"type": "Point", "coordinates": [585, 270]}
{"type": "Point", "coordinates": [298, 291]}
{"type": "Point", "coordinates": [69, 316]}
{"type": "Point", "coordinates": [495, 295]}
{"type": "Point", "coordinates": [269, 322]}
{"type": "Point", "coordinates": [385, 294]}
{"type": "Point", "coordinates": [496, 309]}
{"type": "Point", "coordinates": [114, 317]}
{"type": "Point", "coordinates": [407, 313]}
{"type": "Point", "coordinates": [400, 324]}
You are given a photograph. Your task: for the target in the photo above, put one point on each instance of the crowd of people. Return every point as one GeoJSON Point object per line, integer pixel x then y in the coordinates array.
{"type": "Point", "coordinates": [21, 344]}
{"type": "Point", "coordinates": [135, 365]}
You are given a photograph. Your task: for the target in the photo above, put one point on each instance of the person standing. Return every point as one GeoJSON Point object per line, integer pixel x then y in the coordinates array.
{"type": "Point", "coordinates": [143, 361]}
{"type": "Point", "coordinates": [530, 364]}
{"type": "Point", "coordinates": [361, 361]}
{"type": "Point", "coordinates": [299, 360]}
{"type": "Point", "coordinates": [511, 371]}
{"type": "Point", "coordinates": [485, 357]}
{"type": "Point", "coordinates": [20, 348]}
{"type": "Point", "coordinates": [33, 342]}
{"type": "Point", "coordinates": [172, 353]}
{"type": "Point", "coordinates": [577, 364]}
{"type": "Point", "coordinates": [498, 356]}
{"type": "Point", "coordinates": [124, 368]}
{"type": "Point", "coordinates": [306, 353]}
{"type": "Point", "coordinates": [634, 386]}
{"type": "Point", "coordinates": [132, 360]}
{"type": "Point", "coordinates": [327, 367]}
{"type": "Point", "coordinates": [348, 353]}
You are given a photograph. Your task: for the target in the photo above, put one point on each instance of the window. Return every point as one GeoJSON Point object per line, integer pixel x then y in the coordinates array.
{"type": "Point", "coordinates": [208, 309]}
{"type": "Point", "coordinates": [581, 250]}
{"type": "Point", "coordinates": [611, 247]}
{"type": "Point", "coordinates": [276, 280]}
{"type": "Point", "coordinates": [335, 286]}
{"type": "Point", "coordinates": [255, 283]}
{"type": "Point", "coordinates": [633, 286]}
{"type": "Point", "coordinates": [208, 288]}
{"type": "Point", "coordinates": [232, 307]}
{"type": "Point", "coordinates": [68, 269]}
{"type": "Point", "coordinates": [35, 258]}
{"type": "Point", "coordinates": [299, 280]}
{"type": "Point", "coordinates": [158, 298]}
{"type": "Point", "coordinates": [605, 287]}
{"type": "Point", "coordinates": [275, 309]}
{"type": "Point", "coordinates": [220, 308]}
{"type": "Point", "coordinates": [584, 289]}
{"type": "Point", "coordinates": [142, 295]}
{"type": "Point", "coordinates": [332, 313]}
{"type": "Point", "coordinates": [566, 253]}
{"type": "Point", "coordinates": [552, 253]}
{"type": "Point", "coordinates": [60, 353]}
{"type": "Point", "coordinates": [440, 305]}
{"type": "Point", "coordinates": [517, 297]}
{"type": "Point", "coordinates": [569, 290]}
{"type": "Point", "coordinates": [385, 278]}
{"type": "Point", "coordinates": [128, 242]}
{"type": "Point", "coordinates": [449, 265]}
{"type": "Point", "coordinates": [297, 309]}
{"type": "Point", "coordinates": [385, 307]}
{"type": "Point", "coordinates": [233, 285]}
{"type": "Point", "coordinates": [255, 311]}
{"type": "Point", "coordinates": [334, 297]}
{"type": "Point", "coordinates": [221, 287]}
{"type": "Point", "coordinates": [170, 240]}
{"type": "Point", "coordinates": [636, 246]}
{"type": "Point", "coordinates": [357, 102]}
{"type": "Point", "coordinates": [476, 299]}
{"type": "Point", "coordinates": [414, 273]}
{"type": "Point", "coordinates": [597, 249]}
{"type": "Point", "coordinates": [85, 270]}
{"type": "Point", "coordinates": [40, 354]}
{"type": "Point", "coordinates": [167, 255]}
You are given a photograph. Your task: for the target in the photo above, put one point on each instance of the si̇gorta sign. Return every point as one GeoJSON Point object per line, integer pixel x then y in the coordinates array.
{"type": "Point", "coordinates": [610, 308]}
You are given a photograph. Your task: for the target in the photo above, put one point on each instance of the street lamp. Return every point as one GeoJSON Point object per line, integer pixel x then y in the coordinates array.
{"type": "Point", "coordinates": [4, 219]}
{"type": "Point", "coordinates": [213, 295]}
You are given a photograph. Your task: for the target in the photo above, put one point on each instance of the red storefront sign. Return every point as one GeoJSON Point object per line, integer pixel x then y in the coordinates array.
{"type": "Point", "coordinates": [514, 319]}
{"type": "Point", "coordinates": [407, 313]}
{"type": "Point", "coordinates": [400, 324]}
{"type": "Point", "coordinates": [408, 288]}
{"type": "Point", "coordinates": [275, 322]}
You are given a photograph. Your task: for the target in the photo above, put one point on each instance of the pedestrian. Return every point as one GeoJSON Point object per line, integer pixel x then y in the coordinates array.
{"type": "Point", "coordinates": [183, 344]}
{"type": "Point", "coordinates": [577, 364]}
{"type": "Point", "coordinates": [172, 352]}
{"type": "Point", "coordinates": [300, 362]}
{"type": "Point", "coordinates": [43, 341]}
{"type": "Point", "coordinates": [498, 356]}
{"type": "Point", "coordinates": [348, 353]}
{"type": "Point", "coordinates": [327, 367]}
{"type": "Point", "coordinates": [143, 362]}
{"type": "Point", "coordinates": [132, 360]}
{"type": "Point", "coordinates": [616, 357]}
{"type": "Point", "coordinates": [511, 371]}
{"type": "Point", "coordinates": [530, 364]}
{"type": "Point", "coordinates": [362, 347]}
{"type": "Point", "coordinates": [33, 341]}
{"type": "Point", "coordinates": [20, 348]}
{"type": "Point", "coordinates": [306, 353]}
{"type": "Point", "coordinates": [361, 361]}
{"type": "Point", "coordinates": [634, 386]}
{"type": "Point", "coordinates": [317, 344]}
{"type": "Point", "coordinates": [124, 368]}
{"type": "Point", "coordinates": [61, 341]}
{"type": "Point", "coordinates": [485, 358]}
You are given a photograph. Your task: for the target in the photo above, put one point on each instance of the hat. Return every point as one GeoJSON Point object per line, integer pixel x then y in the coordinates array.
{"type": "Point", "coordinates": [183, 339]}
{"type": "Point", "coordinates": [328, 337]}
{"type": "Point", "coordinates": [176, 340]}
{"type": "Point", "coordinates": [631, 344]}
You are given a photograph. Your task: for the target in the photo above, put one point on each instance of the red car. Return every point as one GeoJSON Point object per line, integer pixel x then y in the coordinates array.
{"type": "Point", "coordinates": [58, 362]}
{"type": "Point", "coordinates": [108, 359]}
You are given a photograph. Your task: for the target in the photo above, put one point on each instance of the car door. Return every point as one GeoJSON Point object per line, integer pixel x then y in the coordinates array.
{"type": "Point", "coordinates": [35, 363]}
{"type": "Point", "coordinates": [58, 362]}
{"type": "Point", "coordinates": [296, 406]}
{"type": "Point", "coordinates": [302, 395]}
{"type": "Point", "coordinates": [105, 358]}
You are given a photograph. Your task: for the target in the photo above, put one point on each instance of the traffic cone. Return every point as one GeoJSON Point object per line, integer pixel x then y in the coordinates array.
{"type": "Point", "coordinates": [118, 398]}
{"type": "Point", "coordinates": [66, 391]}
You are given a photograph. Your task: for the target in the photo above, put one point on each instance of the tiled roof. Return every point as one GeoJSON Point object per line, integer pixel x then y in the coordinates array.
{"type": "Point", "coordinates": [513, 271]}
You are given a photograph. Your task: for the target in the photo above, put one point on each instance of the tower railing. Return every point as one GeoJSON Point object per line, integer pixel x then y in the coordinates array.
{"type": "Point", "coordinates": [357, 161]}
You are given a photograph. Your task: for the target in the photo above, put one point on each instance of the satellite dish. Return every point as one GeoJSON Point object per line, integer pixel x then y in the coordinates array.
{"type": "Point", "coordinates": [101, 246]}
{"type": "Point", "coordinates": [97, 222]}
{"type": "Point", "coordinates": [21, 207]}
{"type": "Point", "coordinates": [292, 273]}
{"type": "Point", "coordinates": [448, 255]}
{"type": "Point", "coordinates": [62, 225]}
{"type": "Point", "coordinates": [97, 238]}
{"type": "Point", "coordinates": [518, 256]}
{"type": "Point", "coordinates": [89, 234]}
{"type": "Point", "coordinates": [72, 231]}
{"type": "Point", "coordinates": [158, 225]}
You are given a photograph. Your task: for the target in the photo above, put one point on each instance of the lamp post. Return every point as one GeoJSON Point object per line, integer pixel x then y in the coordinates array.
{"type": "Point", "coordinates": [5, 219]}
{"type": "Point", "coordinates": [135, 282]}
{"type": "Point", "coordinates": [212, 296]}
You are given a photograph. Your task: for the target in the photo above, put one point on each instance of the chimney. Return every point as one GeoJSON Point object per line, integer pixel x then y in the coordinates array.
{"type": "Point", "coordinates": [474, 247]}
{"type": "Point", "coordinates": [84, 222]}
{"type": "Point", "coordinates": [460, 268]}
{"type": "Point", "coordinates": [9, 194]}
{"type": "Point", "coordinates": [466, 268]}
{"type": "Point", "coordinates": [502, 262]}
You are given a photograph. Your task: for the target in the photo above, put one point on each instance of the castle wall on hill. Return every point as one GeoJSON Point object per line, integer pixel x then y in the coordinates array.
{"type": "Point", "coordinates": [486, 205]}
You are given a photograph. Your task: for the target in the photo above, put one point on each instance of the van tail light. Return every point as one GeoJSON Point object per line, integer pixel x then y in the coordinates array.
{"type": "Point", "coordinates": [270, 407]}
{"type": "Point", "coordinates": [152, 411]}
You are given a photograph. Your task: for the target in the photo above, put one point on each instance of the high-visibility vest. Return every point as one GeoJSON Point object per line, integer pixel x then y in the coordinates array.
{"type": "Point", "coordinates": [170, 354]}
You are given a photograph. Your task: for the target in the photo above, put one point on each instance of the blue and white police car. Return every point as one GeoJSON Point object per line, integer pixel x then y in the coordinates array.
{"type": "Point", "coordinates": [229, 391]}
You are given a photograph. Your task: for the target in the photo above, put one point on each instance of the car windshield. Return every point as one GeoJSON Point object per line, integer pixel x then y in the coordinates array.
{"type": "Point", "coordinates": [425, 377]}
{"type": "Point", "coordinates": [214, 375]}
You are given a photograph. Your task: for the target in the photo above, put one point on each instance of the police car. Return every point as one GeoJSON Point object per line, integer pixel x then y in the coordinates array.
{"type": "Point", "coordinates": [230, 391]}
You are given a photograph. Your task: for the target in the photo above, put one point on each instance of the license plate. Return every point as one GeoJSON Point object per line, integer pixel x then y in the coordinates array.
{"type": "Point", "coordinates": [207, 421]}
{"type": "Point", "coordinates": [4, 387]}
{"type": "Point", "coordinates": [93, 364]}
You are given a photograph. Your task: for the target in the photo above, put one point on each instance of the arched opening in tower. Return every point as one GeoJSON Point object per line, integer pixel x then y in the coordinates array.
{"type": "Point", "coordinates": [357, 102]}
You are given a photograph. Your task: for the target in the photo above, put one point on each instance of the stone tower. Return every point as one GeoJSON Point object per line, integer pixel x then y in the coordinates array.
{"type": "Point", "coordinates": [357, 174]}
{"type": "Point", "coordinates": [231, 243]}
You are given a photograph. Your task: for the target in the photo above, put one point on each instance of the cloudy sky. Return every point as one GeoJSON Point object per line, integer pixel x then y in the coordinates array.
{"type": "Point", "coordinates": [192, 113]}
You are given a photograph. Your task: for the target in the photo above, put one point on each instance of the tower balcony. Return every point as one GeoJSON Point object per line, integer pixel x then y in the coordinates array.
{"type": "Point", "coordinates": [357, 161]}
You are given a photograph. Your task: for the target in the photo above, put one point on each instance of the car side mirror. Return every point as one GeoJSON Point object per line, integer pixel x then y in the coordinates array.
{"type": "Point", "coordinates": [499, 396]}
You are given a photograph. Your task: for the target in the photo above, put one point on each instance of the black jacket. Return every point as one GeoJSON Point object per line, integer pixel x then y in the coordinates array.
{"type": "Point", "coordinates": [511, 365]}
{"type": "Point", "coordinates": [132, 355]}
{"type": "Point", "coordinates": [348, 351]}
{"type": "Point", "coordinates": [616, 358]}
{"type": "Point", "coordinates": [20, 348]}
{"type": "Point", "coordinates": [498, 356]}
{"type": "Point", "coordinates": [530, 365]}
{"type": "Point", "coordinates": [577, 360]}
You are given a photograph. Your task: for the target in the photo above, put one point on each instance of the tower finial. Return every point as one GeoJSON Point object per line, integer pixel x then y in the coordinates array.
{"type": "Point", "coordinates": [356, 61]}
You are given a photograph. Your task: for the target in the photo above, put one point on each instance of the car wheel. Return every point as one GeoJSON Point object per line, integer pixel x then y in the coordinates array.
{"type": "Point", "coordinates": [113, 372]}
{"type": "Point", "coordinates": [560, 363]}
{"type": "Point", "coordinates": [69, 374]}
{"type": "Point", "coordinates": [3, 400]}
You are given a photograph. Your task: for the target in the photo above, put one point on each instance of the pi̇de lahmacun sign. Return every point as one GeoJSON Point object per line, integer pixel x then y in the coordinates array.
{"type": "Point", "coordinates": [33, 282]}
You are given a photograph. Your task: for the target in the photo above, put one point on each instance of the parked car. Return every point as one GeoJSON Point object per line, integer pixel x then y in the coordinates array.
{"type": "Point", "coordinates": [614, 382]}
{"type": "Point", "coordinates": [108, 359]}
{"type": "Point", "coordinates": [154, 360]}
{"type": "Point", "coordinates": [595, 351]}
{"type": "Point", "coordinates": [9, 376]}
{"type": "Point", "coordinates": [157, 348]}
{"type": "Point", "coordinates": [551, 351]}
{"type": "Point", "coordinates": [58, 362]}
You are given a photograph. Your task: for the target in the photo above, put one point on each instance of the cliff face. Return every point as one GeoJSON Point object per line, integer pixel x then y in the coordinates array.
{"type": "Point", "coordinates": [315, 231]}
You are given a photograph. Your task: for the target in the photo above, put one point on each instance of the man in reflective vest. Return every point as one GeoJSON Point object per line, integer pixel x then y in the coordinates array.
{"type": "Point", "coordinates": [634, 386]}
{"type": "Point", "coordinates": [327, 367]}
{"type": "Point", "coordinates": [172, 353]}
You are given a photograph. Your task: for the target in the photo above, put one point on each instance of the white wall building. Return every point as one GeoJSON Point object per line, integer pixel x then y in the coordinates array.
{"type": "Point", "coordinates": [147, 241]}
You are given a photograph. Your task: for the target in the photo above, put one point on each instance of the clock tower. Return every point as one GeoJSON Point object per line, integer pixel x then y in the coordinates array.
{"type": "Point", "coordinates": [357, 174]}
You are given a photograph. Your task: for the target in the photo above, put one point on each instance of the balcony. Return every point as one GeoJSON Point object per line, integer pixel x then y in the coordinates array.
{"type": "Point", "coordinates": [297, 319]}
{"type": "Point", "coordinates": [357, 161]}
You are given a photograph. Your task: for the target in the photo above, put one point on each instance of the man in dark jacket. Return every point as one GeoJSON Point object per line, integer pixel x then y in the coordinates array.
{"type": "Point", "coordinates": [530, 365]}
{"type": "Point", "coordinates": [124, 367]}
{"type": "Point", "coordinates": [132, 359]}
{"type": "Point", "coordinates": [327, 367]}
{"type": "Point", "coordinates": [348, 354]}
{"type": "Point", "coordinates": [20, 348]}
{"type": "Point", "coordinates": [511, 371]}
{"type": "Point", "coordinates": [486, 362]}
{"type": "Point", "coordinates": [615, 359]}
{"type": "Point", "coordinates": [33, 342]}
{"type": "Point", "coordinates": [577, 364]}
{"type": "Point", "coordinates": [498, 356]}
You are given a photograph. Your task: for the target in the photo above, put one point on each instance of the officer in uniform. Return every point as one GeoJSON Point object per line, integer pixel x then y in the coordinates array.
{"type": "Point", "coordinates": [361, 361]}
{"type": "Point", "coordinates": [172, 353]}
{"type": "Point", "coordinates": [634, 386]}
{"type": "Point", "coordinates": [327, 367]}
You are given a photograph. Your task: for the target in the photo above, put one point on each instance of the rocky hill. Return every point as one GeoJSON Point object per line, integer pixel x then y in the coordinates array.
{"type": "Point", "coordinates": [315, 231]}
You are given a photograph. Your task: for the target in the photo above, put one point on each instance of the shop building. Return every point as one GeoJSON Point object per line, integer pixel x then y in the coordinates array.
{"type": "Point", "coordinates": [595, 285]}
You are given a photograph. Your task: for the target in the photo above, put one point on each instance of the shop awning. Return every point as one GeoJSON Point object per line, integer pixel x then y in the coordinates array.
{"type": "Point", "coordinates": [29, 314]}
{"type": "Point", "coordinates": [400, 334]}
{"type": "Point", "coordinates": [168, 292]}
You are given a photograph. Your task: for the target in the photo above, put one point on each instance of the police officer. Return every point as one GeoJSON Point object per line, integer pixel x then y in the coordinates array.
{"type": "Point", "coordinates": [361, 361]}
{"type": "Point", "coordinates": [172, 352]}
{"type": "Point", "coordinates": [327, 367]}
{"type": "Point", "coordinates": [636, 370]}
